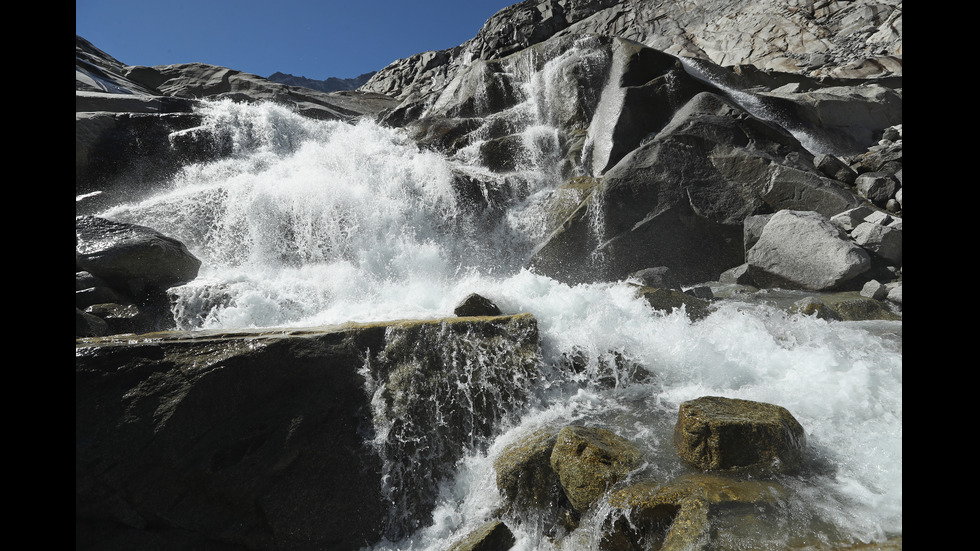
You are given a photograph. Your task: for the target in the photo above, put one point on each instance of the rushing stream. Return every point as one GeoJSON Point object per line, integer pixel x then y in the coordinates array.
{"type": "Point", "coordinates": [313, 222]}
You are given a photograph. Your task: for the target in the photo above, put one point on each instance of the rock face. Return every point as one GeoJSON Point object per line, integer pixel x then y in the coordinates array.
{"type": "Point", "coordinates": [832, 39]}
{"type": "Point", "coordinates": [278, 440]}
{"type": "Point", "coordinates": [714, 433]}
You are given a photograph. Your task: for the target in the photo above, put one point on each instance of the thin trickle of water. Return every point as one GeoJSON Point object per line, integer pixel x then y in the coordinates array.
{"type": "Point", "coordinates": [755, 106]}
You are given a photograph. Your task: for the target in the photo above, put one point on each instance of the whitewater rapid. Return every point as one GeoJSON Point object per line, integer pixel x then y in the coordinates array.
{"type": "Point", "coordinates": [316, 222]}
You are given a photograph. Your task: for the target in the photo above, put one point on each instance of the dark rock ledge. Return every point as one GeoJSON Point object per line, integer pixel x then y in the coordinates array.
{"type": "Point", "coordinates": [270, 439]}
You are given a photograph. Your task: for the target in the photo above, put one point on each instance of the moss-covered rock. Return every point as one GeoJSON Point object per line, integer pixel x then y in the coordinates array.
{"type": "Point", "coordinates": [524, 474]}
{"type": "Point", "coordinates": [675, 516]}
{"type": "Point", "coordinates": [716, 433]}
{"type": "Point", "coordinates": [589, 461]}
{"type": "Point", "coordinates": [847, 306]}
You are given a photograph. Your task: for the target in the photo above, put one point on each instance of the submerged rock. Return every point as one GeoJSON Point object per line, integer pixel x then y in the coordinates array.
{"type": "Point", "coordinates": [714, 433]}
{"type": "Point", "coordinates": [668, 300]}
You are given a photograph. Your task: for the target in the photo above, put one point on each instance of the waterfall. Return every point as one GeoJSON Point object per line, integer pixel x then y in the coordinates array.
{"type": "Point", "coordinates": [313, 222]}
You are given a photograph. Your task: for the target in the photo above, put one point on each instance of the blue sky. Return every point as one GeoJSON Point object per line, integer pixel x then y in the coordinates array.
{"type": "Point", "coordinates": [315, 39]}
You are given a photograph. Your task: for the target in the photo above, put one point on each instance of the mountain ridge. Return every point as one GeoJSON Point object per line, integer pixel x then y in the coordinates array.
{"type": "Point", "coordinates": [330, 84]}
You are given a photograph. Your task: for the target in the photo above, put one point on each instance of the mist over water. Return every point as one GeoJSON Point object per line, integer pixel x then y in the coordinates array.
{"type": "Point", "coordinates": [313, 222]}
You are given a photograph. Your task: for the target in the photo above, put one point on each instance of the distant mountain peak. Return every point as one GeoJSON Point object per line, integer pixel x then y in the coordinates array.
{"type": "Point", "coordinates": [331, 84]}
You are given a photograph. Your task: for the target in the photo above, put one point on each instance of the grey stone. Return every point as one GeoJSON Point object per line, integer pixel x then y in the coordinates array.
{"type": "Point", "coordinates": [883, 241]}
{"type": "Point", "coordinates": [804, 250]}
{"type": "Point", "coordinates": [849, 219]}
{"type": "Point", "coordinates": [877, 187]}
{"type": "Point", "coordinates": [874, 289]}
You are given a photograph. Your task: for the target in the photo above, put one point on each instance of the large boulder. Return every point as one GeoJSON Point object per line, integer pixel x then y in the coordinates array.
{"type": "Point", "coordinates": [133, 259]}
{"type": "Point", "coordinates": [717, 434]}
{"type": "Point", "coordinates": [804, 250]}
{"type": "Point", "coordinates": [315, 438]}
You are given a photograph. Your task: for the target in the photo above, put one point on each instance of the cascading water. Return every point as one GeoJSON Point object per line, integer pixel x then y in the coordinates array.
{"type": "Point", "coordinates": [312, 222]}
{"type": "Point", "coordinates": [755, 105]}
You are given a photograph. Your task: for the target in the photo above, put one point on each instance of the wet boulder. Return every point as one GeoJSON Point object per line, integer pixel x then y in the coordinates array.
{"type": "Point", "coordinates": [491, 536]}
{"type": "Point", "coordinates": [524, 474]}
{"type": "Point", "coordinates": [589, 461]}
{"type": "Point", "coordinates": [668, 300]}
{"type": "Point", "coordinates": [132, 258]}
{"type": "Point", "coordinates": [676, 515]}
{"type": "Point", "coordinates": [715, 433]}
{"type": "Point", "coordinates": [804, 250]}
{"type": "Point", "coordinates": [476, 305]}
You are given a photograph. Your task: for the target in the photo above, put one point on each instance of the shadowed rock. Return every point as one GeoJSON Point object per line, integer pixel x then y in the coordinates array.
{"type": "Point", "coordinates": [291, 439]}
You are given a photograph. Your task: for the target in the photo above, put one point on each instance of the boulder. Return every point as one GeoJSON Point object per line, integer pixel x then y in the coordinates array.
{"type": "Point", "coordinates": [714, 433]}
{"type": "Point", "coordinates": [885, 242]}
{"type": "Point", "coordinates": [132, 259]}
{"type": "Point", "coordinates": [524, 474]}
{"type": "Point", "coordinates": [874, 289]}
{"type": "Point", "coordinates": [804, 250]}
{"type": "Point", "coordinates": [589, 461]}
{"type": "Point", "coordinates": [491, 536]}
{"type": "Point", "coordinates": [476, 305]}
{"type": "Point", "coordinates": [739, 274]}
{"type": "Point", "coordinates": [834, 168]}
{"type": "Point", "coordinates": [668, 300]}
{"type": "Point", "coordinates": [676, 515]}
{"type": "Point", "coordinates": [877, 187]}
{"type": "Point", "coordinates": [849, 219]}
{"type": "Point", "coordinates": [306, 438]}
{"type": "Point", "coordinates": [659, 277]}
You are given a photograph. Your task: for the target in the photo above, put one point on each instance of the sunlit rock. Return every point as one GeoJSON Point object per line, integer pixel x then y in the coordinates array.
{"type": "Point", "coordinates": [804, 250]}
{"type": "Point", "coordinates": [714, 433]}
{"type": "Point", "coordinates": [589, 461]}
{"type": "Point", "coordinates": [524, 473]}
{"type": "Point", "coordinates": [676, 515]}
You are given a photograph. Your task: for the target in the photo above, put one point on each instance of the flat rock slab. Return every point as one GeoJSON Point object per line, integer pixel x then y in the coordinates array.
{"type": "Point", "coordinates": [280, 439]}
